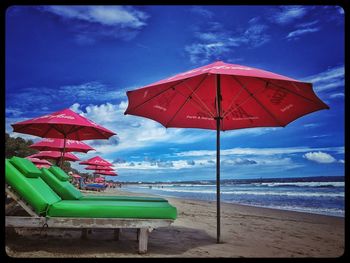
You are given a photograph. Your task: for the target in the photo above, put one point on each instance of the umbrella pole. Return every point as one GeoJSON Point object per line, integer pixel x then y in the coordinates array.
{"type": "Point", "coordinates": [218, 119]}
{"type": "Point", "coordinates": [64, 148]}
{"type": "Point", "coordinates": [218, 180]}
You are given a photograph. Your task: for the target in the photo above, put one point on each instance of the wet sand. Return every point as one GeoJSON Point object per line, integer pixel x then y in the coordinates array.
{"type": "Point", "coordinates": [246, 232]}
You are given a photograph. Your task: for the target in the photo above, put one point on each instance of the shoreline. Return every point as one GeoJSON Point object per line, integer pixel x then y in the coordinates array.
{"type": "Point", "coordinates": [247, 231]}
{"type": "Point", "coordinates": [223, 202]}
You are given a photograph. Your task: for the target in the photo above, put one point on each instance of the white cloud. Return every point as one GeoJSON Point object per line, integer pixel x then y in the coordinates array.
{"type": "Point", "coordinates": [337, 95]}
{"type": "Point", "coordinates": [319, 157]}
{"type": "Point", "coordinates": [296, 33]}
{"type": "Point", "coordinates": [95, 22]}
{"type": "Point", "coordinates": [288, 14]}
{"type": "Point", "coordinates": [256, 151]}
{"type": "Point", "coordinates": [213, 41]}
{"type": "Point", "coordinates": [132, 131]}
{"type": "Point", "coordinates": [328, 80]}
{"type": "Point", "coordinates": [104, 15]}
{"type": "Point", "coordinates": [201, 11]}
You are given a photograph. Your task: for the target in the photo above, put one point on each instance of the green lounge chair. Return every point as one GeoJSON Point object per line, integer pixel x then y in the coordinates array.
{"type": "Point", "coordinates": [46, 208]}
{"type": "Point", "coordinates": [57, 179]}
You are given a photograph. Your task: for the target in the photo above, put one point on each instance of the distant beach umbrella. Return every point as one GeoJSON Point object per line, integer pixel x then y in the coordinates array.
{"type": "Point", "coordinates": [42, 165]}
{"type": "Point", "coordinates": [98, 167]}
{"type": "Point", "coordinates": [97, 160]}
{"type": "Point", "coordinates": [109, 173]}
{"type": "Point", "coordinates": [64, 124]}
{"type": "Point", "coordinates": [221, 97]}
{"type": "Point", "coordinates": [55, 155]}
{"type": "Point", "coordinates": [38, 161]}
{"type": "Point", "coordinates": [54, 144]}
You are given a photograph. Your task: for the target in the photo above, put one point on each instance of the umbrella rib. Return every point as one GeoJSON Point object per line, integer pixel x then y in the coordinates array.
{"type": "Point", "coordinates": [261, 105]}
{"type": "Point", "coordinates": [144, 102]}
{"type": "Point", "coordinates": [297, 94]}
{"type": "Point", "coordinates": [233, 100]}
{"type": "Point", "coordinates": [187, 99]}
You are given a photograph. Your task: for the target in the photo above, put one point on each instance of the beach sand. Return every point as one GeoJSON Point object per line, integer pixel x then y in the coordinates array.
{"type": "Point", "coordinates": [246, 232]}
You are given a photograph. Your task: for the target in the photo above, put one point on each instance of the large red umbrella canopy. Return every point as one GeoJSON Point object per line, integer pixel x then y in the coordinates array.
{"type": "Point", "coordinates": [222, 96]}
{"type": "Point", "coordinates": [97, 160]}
{"type": "Point", "coordinates": [104, 172]}
{"type": "Point", "coordinates": [55, 144]}
{"type": "Point", "coordinates": [54, 155]}
{"type": "Point", "coordinates": [64, 124]}
{"type": "Point", "coordinates": [98, 167]}
{"type": "Point", "coordinates": [38, 161]}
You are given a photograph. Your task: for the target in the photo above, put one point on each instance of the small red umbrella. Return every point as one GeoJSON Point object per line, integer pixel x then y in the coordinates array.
{"type": "Point", "coordinates": [42, 165]}
{"type": "Point", "coordinates": [55, 155]}
{"type": "Point", "coordinates": [76, 176]}
{"type": "Point", "coordinates": [99, 180]}
{"type": "Point", "coordinates": [38, 161]}
{"type": "Point", "coordinates": [102, 172]}
{"type": "Point", "coordinates": [52, 144]}
{"type": "Point", "coordinates": [222, 96]}
{"type": "Point", "coordinates": [98, 167]}
{"type": "Point", "coordinates": [64, 124]}
{"type": "Point", "coordinates": [96, 161]}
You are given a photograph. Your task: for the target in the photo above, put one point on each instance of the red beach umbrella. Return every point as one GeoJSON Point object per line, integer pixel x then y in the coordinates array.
{"type": "Point", "coordinates": [52, 144]}
{"type": "Point", "coordinates": [221, 97]}
{"type": "Point", "coordinates": [42, 165]}
{"type": "Point", "coordinates": [76, 176]}
{"type": "Point", "coordinates": [98, 167]}
{"type": "Point", "coordinates": [96, 161]}
{"type": "Point", "coordinates": [102, 172]}
{"type": "Point", "coordinates": [38, 161]}
{"type": "Point", "coordinates": [54, 155]}
{"type": "Point", "coordinates": [99, 180]}
{"type": "Point", "coordinates": [64, 124]}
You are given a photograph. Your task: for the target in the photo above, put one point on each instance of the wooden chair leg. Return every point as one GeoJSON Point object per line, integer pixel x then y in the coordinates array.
{"type": "Point", "coordinates": [116, 233]}
{"type": "Point", "coordinates": [84, 233]}
{"type": "Point", "coordinates": [143, 240]}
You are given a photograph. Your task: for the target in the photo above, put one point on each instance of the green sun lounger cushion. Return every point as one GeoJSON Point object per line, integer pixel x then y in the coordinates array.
{"type": "Point", "coordinates": [63, 188]}
{"type": "Point", "coordinates": [122, 198]}
{"type": "Point", "coordinates": [67, 191]}
{"type": "Point", "coordinates": [59, 173]}
{"type": "Point", "coordinates": [112, 209]}
{"type": "Point", "coordinates": [33, 190]}
{"type": "Point", "coordinates": [25, 166]}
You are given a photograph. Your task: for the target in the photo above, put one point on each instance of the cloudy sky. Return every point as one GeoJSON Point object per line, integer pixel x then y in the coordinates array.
{"type": "Point", "coordinates": [86, 58]}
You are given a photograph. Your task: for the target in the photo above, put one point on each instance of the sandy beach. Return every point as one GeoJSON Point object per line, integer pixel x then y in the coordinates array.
{"type": "Point", "coordinates": [246, 232]}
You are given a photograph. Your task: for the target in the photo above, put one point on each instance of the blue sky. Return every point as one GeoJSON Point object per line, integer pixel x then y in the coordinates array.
{"type": "Point", "coordinates": [86, 58]}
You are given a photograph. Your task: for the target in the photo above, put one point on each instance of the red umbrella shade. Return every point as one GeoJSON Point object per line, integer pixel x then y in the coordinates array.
{"type": "Point", "coordinates": [97, 161]}
{"type": "Point", "coordinates": [249, 97]}
{"type": "Point", "coordinates": [102, 172]}
{"type": "Point", "coordinates": [52, 144]}
{"type": "Point", "coordinates": [38, 161]}
{"type": "Point", "coordinates": [98, 167]}
{"type": "Point", "coordinates": [54, 155]}
{"type": "Point", "coordinates": [99, 180]}
{"type": "Point", "coordinates": [42, 165]}
{"type": "Point", "coordinates": [63, 124]}
{"type": "Point", "coordinates": [223, 96]}
{"type": "Point", "coordinates": [76, 176]}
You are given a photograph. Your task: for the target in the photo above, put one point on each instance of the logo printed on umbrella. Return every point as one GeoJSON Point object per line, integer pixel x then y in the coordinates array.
{"type": "Point", "coordinates": [159, 107]}
{"type": "Point", "coordinates": [287, 107]}
{"type": "Point", "coordinates": [59, 116]}
{"type": "Point", "coordinates": [238, 113]}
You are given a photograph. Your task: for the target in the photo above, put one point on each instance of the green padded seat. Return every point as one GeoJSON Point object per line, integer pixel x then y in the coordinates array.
{"type": "Point", "coordinates": [25, 166]}
{"type": "Point", "coordinates": [68, 192]}
{"type": "Point", "coordinates": [59, 173]}
{"type": "Point", "coordinates": [112, 209]}
{"type": "Point", "coordinates": [64, 189]}
{"type": "Point", "coordinates": [33, 190]}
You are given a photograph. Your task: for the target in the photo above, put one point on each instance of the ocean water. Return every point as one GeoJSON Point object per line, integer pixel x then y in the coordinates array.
{"type": "Point", "coordinates": [312, 197]}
